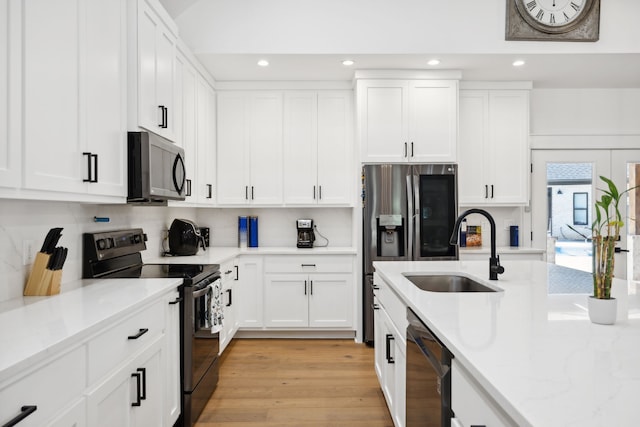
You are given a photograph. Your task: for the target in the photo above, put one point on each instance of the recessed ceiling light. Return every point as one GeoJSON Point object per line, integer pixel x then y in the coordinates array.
{"type": "Point", "coordinates": [434, 62]}
{"type": "Point", "coordinates": [347, 62]}
{"type": "Point", "coordinates": [263, 63]}
{"type": "Point", "coordinates": [518, 63]}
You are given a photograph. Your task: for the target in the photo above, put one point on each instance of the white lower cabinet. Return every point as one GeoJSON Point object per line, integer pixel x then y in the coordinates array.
{"type": "Point", "coordinates": [471, 404]}
{"type": "Point", "coordinates": [171, 360]}
{"type": "Point", "coordinates": [308, 291]}
{"type": "Point", "coordinates": [73, 416]}
{"type": "Point", "coordinates": [249, 290]}
{"type": "Point", "coordinates": [230, 322]}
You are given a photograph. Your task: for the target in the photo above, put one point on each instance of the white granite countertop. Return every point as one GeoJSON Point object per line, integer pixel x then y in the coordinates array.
{"type": "Point", "coordinates": [218, 255]}
{"type": "Point", "coordinates": [532, 346]}
{"type": "Point", "coordinates": [33, 328]}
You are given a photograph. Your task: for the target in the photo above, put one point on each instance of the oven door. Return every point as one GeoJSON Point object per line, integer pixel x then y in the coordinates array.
{"type": "Point", "coordinates": [200, 344]}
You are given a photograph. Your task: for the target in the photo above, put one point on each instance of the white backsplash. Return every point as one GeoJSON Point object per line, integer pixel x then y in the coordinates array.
{"type": "Point", "coordinates": [24, 220]}
{"type": "Point", "coordinates": [502, 216]}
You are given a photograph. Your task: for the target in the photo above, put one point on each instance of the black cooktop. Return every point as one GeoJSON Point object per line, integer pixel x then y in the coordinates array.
{"type": "Point", "coordinates": [192, 273]}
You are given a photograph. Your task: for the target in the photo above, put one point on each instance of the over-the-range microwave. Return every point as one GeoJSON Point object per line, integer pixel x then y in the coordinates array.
{"type": "Point", "coordinates": [156, 171]}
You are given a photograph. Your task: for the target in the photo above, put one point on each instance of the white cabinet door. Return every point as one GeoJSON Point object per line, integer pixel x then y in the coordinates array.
{"type": "Point", "coordinates": [186, 109]}
{"type": "Point", "coordinates": [249, 290]}
{"type": "Point", "coordinates": [433, 123]}
{"type": "Point", "coordinates": [51, 84]}
{"type": "Point", "coordinates": [301, 148]}
{"type": "Point", "coordinates": [383, 117]}
{"type": "Point", "coordinates": [494, 147]}
{"type": "Point", "coordinates": [9, 146]}
{"type": "Point", "coordinates": [156, 53]}
{"type": "Point", "coordinates": [286, 300]}
{"type": "Point", "coordinates": [330, 300]}
{"type": "Point", "coordinates": [265, 148]}
{"type": "Point", "coordinates": [232, 154]}
{"type": "Point", "coordinates": [509, 136]}
{"type": "Point", "coordinates": [206, 143]}
{"type": "Point", "coordinates": [75, 416]}
{"type": "Point", "coordinates": [335, 147]}
{"type": "Point", "coordinates": [104, 94]}
{"type": "Point", "coordinates": [229, 300]}
{"type": "Point", "coordinates": [171, 360]}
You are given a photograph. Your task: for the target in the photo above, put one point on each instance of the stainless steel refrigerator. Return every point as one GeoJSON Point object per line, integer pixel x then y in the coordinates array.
{"type": "Point", "coordinates": [408, 215]}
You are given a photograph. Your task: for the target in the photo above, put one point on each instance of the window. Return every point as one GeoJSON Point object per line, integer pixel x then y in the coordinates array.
{"type": "Point", "coordinates": [580, 208]}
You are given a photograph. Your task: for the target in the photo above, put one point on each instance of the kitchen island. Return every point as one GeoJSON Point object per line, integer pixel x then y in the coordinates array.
{"type": "Point", "coordinates": [531, 346]}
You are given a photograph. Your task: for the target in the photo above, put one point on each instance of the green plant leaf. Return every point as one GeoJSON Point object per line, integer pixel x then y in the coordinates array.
{"type": "Point", "coordinates": [613, 190]}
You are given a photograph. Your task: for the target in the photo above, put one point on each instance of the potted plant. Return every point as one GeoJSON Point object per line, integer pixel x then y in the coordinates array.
{"type": "Point", "coordinates": [605, 232]}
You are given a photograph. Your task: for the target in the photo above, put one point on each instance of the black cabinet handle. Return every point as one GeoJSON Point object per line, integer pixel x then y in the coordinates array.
{"type": "Point", "coordinates": [311, 286]}
{"type": "Point", "coordinates": [252, 192]}
{"type": "Point", "coordinates": [25, 411]}
{"type": "Point", "coordinates": [320, 192]}
{"type": "Point", "coordinates": [375, 306]}
{"type": "Point", "coordinates": [188, 188]}
{"type": "Point", "coordinates": [314, 192]}
{"type": "Point", "coordinates": [164, 116]}
{"type": "Point", "coordinates": [307, 265]}
{"type": "Point", "coordinates": [143, 371]}
{"type": "Point", "coordinates": [375, 287]}
{"type": "Point", "coordinates": [492, 191]}
{"type": "Point", "coordinates": [405, 149]}
{"type": "Point", "coordinates": [176, 301]}
{"type": "Point", "coordinates": [411, 148]}
{"type": "Point", "coordinates": [210, 188]}
{"type": "Point", "coordinates": [246, 192]}
{"type": "Point", "coordinates": [305, 287]}
{"type": "Point", "coordinates": [88, 178]}
{"type": "Point", "coordinates": [389, 338]}
{"type": "Point", "coordinates": [486, 191]}
{"type": "Point", "coordinates": [228, 272]}
{"type": "Point", "coordinates": [140, 333]}
{"type": "Point", "coordinates": [237, 272]}
{"type": "Point", "coordinates": [95, 168]}
{"type": "Point", "coordinates": [230, 296]}
{"type": "Point", "coordinates": [161, 108]}
{"type": "Point", "coordinates": [618, 250]}
{"type": "Point", "coordinates": [138, 377]}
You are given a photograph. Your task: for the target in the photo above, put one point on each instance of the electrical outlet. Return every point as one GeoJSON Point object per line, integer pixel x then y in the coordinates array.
{"type": "Point", "coordinates": [507, 223]}
{"type": "Point", "coordinates": [28, 252]}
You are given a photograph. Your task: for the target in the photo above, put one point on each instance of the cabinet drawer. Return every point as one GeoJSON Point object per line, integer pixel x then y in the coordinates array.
{"type": "Point", "coordinates": [49, 388]}
{"type": "Point", "coordinates": [393, 305]}
{"type": "Point", "coordinates": [114, 345]}
{"type": "Point", "coordinates": [228, 272]}
{"type": "Point", "coordinates": [308, 264]}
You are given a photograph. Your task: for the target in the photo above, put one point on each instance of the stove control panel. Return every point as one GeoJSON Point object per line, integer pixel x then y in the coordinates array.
{"type": "Point", "coordinates": [111, 244]}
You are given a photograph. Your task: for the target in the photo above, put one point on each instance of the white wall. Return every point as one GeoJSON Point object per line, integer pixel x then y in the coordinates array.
{"type": "Point", "coordinates": [31, 220]}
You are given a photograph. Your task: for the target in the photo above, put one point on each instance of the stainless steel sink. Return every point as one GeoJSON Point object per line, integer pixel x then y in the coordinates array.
{"type": "Point", "coordinates": [447, 283]}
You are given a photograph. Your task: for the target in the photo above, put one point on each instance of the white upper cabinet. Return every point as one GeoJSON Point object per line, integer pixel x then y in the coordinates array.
{"type": "Point", "coordinates": [317, 148]}
{"type": "Point", "coordinates": [74, 102]}
{"type": "Point", "coordinates": [9, 145]}
{"type": "Point", "coordinates": [408, 120]}
{"type": "Point", "coordinates": [494, 147]}
{"type": "Point", "coordinates": [185, 120]}
{"type": "Point", "coordinates": [154, 74]}
{"type": "Point", "coordinates": [249, 148]}
{"type": "Point", "coordinates": [206, 143]}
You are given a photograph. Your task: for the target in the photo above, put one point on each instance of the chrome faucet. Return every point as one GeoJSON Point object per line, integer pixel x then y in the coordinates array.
{"type": "Point", "coordinates": [494, 262]}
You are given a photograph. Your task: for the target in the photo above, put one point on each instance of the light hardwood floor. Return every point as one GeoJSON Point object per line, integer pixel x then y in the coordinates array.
{"type": "Point", "coordinates": [307, 383]}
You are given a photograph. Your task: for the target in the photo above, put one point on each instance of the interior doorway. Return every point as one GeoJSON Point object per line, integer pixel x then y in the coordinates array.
{"type": "Point", "coordinates": [565, 185]}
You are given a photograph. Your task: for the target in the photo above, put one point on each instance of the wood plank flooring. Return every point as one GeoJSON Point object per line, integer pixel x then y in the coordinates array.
{"type": "Point", "coordinates": [307, 383]}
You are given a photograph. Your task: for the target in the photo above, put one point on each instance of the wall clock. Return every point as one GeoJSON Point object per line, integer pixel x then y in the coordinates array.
{"type": "Point", "coordinates": [553, 20]}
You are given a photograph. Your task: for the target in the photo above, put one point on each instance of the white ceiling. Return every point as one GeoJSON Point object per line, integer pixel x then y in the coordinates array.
{"type": "Point", "coordinates": [579, 68]}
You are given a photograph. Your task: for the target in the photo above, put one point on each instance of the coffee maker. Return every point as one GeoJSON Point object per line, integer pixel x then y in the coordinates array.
{"type": "Point", "coordinates": [305, 233]}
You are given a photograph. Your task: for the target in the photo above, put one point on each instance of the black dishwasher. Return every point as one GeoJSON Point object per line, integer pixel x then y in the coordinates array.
{"type": "Point", "coordinates": [428, 377]}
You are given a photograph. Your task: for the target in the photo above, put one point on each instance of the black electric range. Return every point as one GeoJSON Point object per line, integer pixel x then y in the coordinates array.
{"type": "Point", "coordinates": [117, 254]}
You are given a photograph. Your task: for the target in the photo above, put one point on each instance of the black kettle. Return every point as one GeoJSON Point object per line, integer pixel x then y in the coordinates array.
{"type": "Point", "coordinates": [185, 238]}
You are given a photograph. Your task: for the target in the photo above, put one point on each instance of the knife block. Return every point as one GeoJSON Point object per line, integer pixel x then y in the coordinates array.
{"type": "Point", "coordinates": [37, 274]}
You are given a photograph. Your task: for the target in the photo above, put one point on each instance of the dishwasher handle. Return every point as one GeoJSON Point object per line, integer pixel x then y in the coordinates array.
{"type": "Point", "coordinates": [437, 354]}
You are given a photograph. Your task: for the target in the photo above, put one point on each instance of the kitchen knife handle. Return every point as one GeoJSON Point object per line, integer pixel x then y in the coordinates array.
{"type": "Point", "coordinates": [140, 333]}
{"type": "Point", "coordinates": [137, 376]}
{"type": "Point", "coordinates": [25, 411]}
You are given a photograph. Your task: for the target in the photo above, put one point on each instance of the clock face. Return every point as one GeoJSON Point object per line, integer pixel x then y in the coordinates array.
{"type": "Point", "coordinates": [553, 15]}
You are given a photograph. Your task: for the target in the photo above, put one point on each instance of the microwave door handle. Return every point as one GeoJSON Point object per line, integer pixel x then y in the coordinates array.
{"type": "Point", "coordinates": [409, 241]}
{"type": "Point", "coordinates": [417, 217]}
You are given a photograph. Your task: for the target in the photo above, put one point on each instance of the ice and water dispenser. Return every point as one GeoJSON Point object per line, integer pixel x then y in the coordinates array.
{"type": "Point", "coordinates": [390, 235]}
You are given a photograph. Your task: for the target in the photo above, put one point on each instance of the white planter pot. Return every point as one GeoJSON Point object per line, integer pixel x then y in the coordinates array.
{"type": "Point", "coordinates": [602, 311]}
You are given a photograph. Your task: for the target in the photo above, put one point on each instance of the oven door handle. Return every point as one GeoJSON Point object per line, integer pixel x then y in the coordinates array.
{"type": "Point", "coordinates": [201, 292]}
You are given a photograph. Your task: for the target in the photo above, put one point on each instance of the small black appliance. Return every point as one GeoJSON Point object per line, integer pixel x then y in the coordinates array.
{"type": "Point", "coordinates": [306, 236]}
{"type": "Point", "coordinates": [185, 238]}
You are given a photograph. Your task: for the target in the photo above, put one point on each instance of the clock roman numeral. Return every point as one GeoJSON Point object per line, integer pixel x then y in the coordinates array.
{"type": "Point", "coordinates": [566, 18]}
{"type": "Point", "coordinates": [532, 5]}
{"type": "Point", "coordinates": [575, 6]}
{"type": "Point", "coordinates": [540, 15]}
{"type": "Point", "coordinates": [552, 19]}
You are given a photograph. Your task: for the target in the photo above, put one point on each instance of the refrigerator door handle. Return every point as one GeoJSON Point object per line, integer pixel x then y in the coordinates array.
{"type": "Point", "coordinates": [409, 243]}
{"type": "Point", "coordinates": [416, 236]}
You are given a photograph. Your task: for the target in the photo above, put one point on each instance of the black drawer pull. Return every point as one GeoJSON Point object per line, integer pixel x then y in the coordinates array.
{"type": "Point", "coordinates": [375, 306]}
{"type": "Point", "coordinates": [137, 376]}
{"type": "Point", "coordinates": [307, 265]}
{"type": "Point", "coordinates": [388, 356]}
{"type": "Point", "coordinates": [230, 300]}
{"type": "Point", "coordinates": [143, 371]}
{"type": "Point", "coordinates": [25, 411]}
{"type": "Point", "coordinates": [176, 301]}
{"type": "Point", "coordinates": [140, 333]}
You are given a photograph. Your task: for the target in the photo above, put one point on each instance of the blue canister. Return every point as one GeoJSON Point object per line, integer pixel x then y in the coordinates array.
{"type": "Point", "coordinates": [513, 236]}
{"type": "Point", "coordinates": [243, 226]}
{"type": "Point", "coordinates": [253, 231]}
